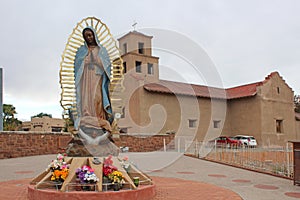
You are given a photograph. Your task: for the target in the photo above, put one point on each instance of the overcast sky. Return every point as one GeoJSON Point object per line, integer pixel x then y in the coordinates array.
{"type": "Point", "coordinates": [246, 40]}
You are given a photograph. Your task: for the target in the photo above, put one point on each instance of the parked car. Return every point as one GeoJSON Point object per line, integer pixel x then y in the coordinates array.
{"type": "Point", "coordinates": [227, 142]}
{"type": "Point", "coordinates": [246, 140]}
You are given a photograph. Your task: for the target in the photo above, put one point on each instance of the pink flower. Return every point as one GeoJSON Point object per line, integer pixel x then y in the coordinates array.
{"type": "Point", "coordinates": [108, 160]}
{"type": "Point", "coordinates": [125, 158]}
{"type": "Point", "coordinates": [85, 168]}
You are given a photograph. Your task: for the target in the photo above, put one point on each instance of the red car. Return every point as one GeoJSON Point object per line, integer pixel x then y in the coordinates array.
{"type": "Point", "coordinates": [225, 141]}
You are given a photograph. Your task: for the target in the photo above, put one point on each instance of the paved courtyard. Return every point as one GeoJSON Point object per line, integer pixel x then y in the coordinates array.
{"type": "Point", "coordinates": [176, 177]}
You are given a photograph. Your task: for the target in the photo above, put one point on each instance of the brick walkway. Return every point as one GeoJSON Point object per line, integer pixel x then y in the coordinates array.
{"type": "Point", "coordinates": [179, 189]}
{"type": "Point", "coordinates": [14, 190]}
{"type": "Point", "coordinates": [166, 189]}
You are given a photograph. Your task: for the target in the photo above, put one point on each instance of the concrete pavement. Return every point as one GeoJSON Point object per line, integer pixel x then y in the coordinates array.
{"type": "Point", "coordinates": [205, 177]}
{"type": "Point", "coordinates": [248, 184]}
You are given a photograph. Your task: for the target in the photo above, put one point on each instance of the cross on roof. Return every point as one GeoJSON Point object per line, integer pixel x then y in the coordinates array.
{"type": "Point", "coordinates": [134, 25]}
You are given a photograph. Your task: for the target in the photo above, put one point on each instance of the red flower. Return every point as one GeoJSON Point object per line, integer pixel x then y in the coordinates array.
{"type": "Point", "coordinates": [108, 168]}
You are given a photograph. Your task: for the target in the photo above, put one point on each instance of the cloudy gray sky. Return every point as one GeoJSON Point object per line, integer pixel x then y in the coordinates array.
{"type": "Point", "coordinates": [246, 40]}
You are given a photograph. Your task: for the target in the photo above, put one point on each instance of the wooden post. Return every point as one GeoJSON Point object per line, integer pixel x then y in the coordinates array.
{"type": "Point", "coordinates": [288, 159]}
{"type": "Point", "coordinates": [77, 162]}
{"type": "Point", "coordinates": [117, 164]}
{"type": "Point", "coordinates": [98, 172]}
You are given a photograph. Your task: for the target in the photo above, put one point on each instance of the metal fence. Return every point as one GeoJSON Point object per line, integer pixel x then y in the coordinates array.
{"type": "Point", "coordinates": [277, 160]}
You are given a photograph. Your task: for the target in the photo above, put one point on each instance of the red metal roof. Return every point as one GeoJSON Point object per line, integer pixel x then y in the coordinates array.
{"type": "Point", "coordinates": [242, 91]}
{"type": "Point", "coordinates": [171, 87]}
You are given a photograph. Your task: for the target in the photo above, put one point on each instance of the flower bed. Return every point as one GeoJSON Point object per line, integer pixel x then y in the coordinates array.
{"type": "Point", "coordinates": [90, 174]}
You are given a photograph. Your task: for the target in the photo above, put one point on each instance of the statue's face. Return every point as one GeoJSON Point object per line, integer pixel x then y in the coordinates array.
{"type": "Point", "coordinates": [89, 37]}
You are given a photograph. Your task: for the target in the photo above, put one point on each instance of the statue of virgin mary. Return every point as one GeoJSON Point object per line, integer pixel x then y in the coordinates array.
{"type": "Point", "coordinates": [92, 109]}
{"type": "Point", "coordinates": [92, 78]}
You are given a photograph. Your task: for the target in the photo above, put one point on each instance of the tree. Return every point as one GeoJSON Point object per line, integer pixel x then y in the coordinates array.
{"type": "Point", "coordinates": [10, 123]}
{"type": "Point", "coordinates": [8, 111]}
{"type": "Point", "coordinates": [297, 103]}
{"type": "Point", "coordinates": [40, 115]}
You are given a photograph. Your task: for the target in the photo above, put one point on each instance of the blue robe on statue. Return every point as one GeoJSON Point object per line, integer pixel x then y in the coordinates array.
{"type": "Point", "coordinates": [92, 80]}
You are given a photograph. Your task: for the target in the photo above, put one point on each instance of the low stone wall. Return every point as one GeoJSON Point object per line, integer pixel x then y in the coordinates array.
{"type": "Point", "coordinates": [145, 143]}
{"type": "Point", "coordinates": [21, 143]}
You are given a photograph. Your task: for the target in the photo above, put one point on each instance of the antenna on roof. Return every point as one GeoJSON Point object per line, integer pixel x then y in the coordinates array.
{"type": "Point", "coordinates": [134, 24]}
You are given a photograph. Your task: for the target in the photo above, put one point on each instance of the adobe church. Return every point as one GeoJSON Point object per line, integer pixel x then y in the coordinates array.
{"type": "Point", "coordinates": [263, 109]}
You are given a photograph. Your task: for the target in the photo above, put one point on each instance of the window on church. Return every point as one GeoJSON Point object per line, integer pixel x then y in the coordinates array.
{"type": "Point", "coordinates": [141, 48]}
{"type": "Point", "coordinates": [279, 126]}
{"type": "Point", "coordinates": [125, 48]}
{"type": "Point", "coordinates": [124, 67]}
{"type": "Point", "coordinates": [150, 68]}
{"type": "Point", "coordinates": [192, 123]}
{"type": "Point", "coordinates": [138, 66]}
{"type": "Point", "coordinates": [217, 123]}
{"type": "Point", "coordinates": [278, 90]}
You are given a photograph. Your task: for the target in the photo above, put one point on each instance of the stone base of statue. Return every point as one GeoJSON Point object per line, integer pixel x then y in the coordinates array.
{"type": "Point", "coordinates": [98, 143]}
{"type": "Point", "coordinates": [78, 147]}
{"type": "Point", "coordinates": [135, 185]}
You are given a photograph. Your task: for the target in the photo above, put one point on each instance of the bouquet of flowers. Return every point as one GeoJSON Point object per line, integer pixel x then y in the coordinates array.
{"type": "Point", "coordinates": [111, 174]}
{"type": "Point", "coordinates": [86, 175]}
{"type": "Point", "coordinates": [108, 167]}
{"type": "Point", "coordinates": [125, 164]}
{"type": "Point", "coordinates": [116, 177]}
{"type": "Point", "coordinates": [59, 168]}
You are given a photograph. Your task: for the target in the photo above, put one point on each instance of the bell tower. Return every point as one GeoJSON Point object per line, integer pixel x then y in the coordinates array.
{"type": "Point", "coordinates": [136, 52]}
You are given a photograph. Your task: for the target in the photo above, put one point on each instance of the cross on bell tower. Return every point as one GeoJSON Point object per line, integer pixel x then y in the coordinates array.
{"type": "Point", "coordinates": [134, 25]}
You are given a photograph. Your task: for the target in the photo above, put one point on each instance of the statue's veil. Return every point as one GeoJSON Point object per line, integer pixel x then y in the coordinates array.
{"type": "Point", "coordinates": [67, 79]}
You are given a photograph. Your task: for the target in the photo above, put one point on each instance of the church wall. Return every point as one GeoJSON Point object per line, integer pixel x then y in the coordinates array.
{"type": "Point", "coordinates": [277, 105]}
{"type": "Point", "coordinates": [213, 118]}
{"type": "Point", "coordinates": [172, 113]}
{"type": "Point", "coordinates": [131, 118]}
{"type": "Point", "coordinates": [245, 117]}
{"type": "Point", "coordinates": [160, 114]}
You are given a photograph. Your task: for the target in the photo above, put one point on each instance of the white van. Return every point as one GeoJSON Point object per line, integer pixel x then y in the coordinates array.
{"type": "Point", "coordinates": [247, 140]}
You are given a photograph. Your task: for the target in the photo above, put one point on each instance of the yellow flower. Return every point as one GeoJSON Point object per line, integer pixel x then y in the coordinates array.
{"type": "Point", "coordinates": [64, 174]}
{"type": "Point", "coordinates": [59, 174]}
{"type": "Point", "coordinates": [116, 176]}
